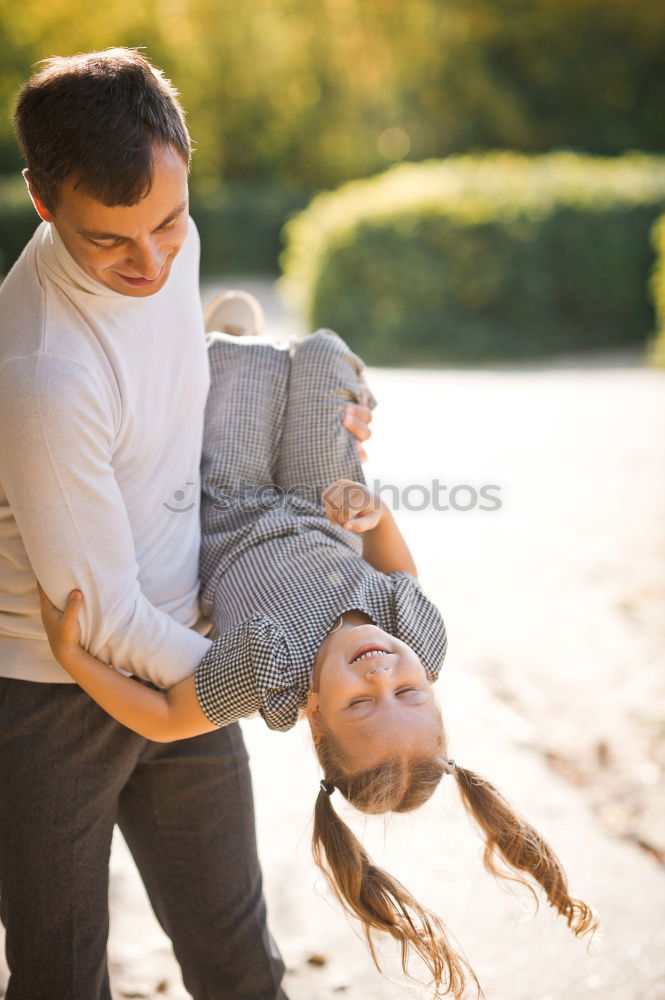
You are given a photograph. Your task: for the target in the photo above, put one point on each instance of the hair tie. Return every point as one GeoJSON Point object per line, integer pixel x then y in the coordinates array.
{"type": "Point", "coordinates": [452, 767]}
{"type": "Point", "coordinates": [327, 787]}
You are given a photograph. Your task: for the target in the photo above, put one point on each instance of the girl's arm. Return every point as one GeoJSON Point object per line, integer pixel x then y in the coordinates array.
{"type": "Point", "coordinates": [357, 509]}
{"type": "Point", "coordinates": [384, 546]}
{"type": "Point", "coordinates": [155, 715]}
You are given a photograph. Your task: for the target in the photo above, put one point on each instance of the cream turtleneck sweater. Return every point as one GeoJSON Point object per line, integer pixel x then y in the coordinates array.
{"type": "Point", "coordinates": [102, 397]}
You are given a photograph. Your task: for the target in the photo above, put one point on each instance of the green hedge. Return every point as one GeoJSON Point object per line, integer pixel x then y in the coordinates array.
{"type": "Point", "coordinates": [18, 220]}
{"type": "Point", "coordinates": [657, 346]}
{"type": "Point", "coordinates": [471, 258]}
{"type": "Point", "coordinates": [240, 225]}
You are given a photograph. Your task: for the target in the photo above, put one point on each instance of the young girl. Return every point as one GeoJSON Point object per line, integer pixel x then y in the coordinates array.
{"type": "Point", "coordinates": [317, 610]}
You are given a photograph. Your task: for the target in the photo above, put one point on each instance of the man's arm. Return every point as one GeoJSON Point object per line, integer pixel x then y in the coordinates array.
{"type": "Point", "coordinates": [56, 467]}
{"type": "Point", "coordinates": [162, 716]}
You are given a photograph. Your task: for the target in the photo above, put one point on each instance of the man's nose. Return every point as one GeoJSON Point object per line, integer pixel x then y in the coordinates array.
{"type": "Point", "coordinates": [147, 259]}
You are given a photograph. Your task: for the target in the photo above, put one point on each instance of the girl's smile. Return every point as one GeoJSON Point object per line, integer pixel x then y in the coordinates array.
{"type": "Point", "coordinates": [372, 651]}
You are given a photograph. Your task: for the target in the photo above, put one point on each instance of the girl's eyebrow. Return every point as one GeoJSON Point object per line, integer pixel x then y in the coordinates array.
{"type": "Point", "coordinates": [93, 234]}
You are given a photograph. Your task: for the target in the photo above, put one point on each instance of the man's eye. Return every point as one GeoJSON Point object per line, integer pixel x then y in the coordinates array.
{"type": "Point", "coordinates": [404, 690]}
{"type": "Point", "coordinates": [106, 246]}
{"type": "Point", "coordinates": [358, 701]}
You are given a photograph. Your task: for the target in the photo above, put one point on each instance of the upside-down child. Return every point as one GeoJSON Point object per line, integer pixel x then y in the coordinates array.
{"type": "Point", "coordinates": [319, 614]}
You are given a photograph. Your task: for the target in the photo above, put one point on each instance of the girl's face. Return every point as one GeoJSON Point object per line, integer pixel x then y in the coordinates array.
{"type": "Point", "coordinates": [371, 703]}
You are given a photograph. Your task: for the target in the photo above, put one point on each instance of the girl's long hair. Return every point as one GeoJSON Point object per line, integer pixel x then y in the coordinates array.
{"type": "Point", "coordinates": [381, 903]}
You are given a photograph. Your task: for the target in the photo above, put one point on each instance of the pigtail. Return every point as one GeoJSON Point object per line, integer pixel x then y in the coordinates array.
{"type": "Point", "coordinates": [511, 839]}
{"type": "Point", "coordinates": [381, 903]}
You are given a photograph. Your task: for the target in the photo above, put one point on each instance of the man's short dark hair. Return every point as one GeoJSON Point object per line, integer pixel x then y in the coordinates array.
{"type": "Point", "coordinates": [97, 117]}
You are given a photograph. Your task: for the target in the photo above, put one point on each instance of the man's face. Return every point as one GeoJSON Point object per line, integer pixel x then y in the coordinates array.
{"type": "Point", "coordinates": [128, 248]}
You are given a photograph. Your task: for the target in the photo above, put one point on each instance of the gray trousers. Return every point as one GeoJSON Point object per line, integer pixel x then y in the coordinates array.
{"type": "Point", "coordinates": [68, 773]}
{"type": "Point", "coordinates": [273, 416]}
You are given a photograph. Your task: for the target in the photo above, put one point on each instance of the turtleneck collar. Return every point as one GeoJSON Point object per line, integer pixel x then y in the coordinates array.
{"type": "Point", "coordinates": [70, 269]}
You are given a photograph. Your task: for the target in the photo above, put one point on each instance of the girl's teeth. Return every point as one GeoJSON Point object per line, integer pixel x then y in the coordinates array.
{"type": "Point", "coordinates": [372, 652]}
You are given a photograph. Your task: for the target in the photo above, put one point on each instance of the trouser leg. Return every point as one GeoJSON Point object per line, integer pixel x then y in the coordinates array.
{"type": "Point", "coordinates": [273, 418]}
{"type": "Point", "coordinates": [316, 448]}
{"type": "Point", "coordinates": [63, 762]}
{"type": "Point", "coordinates": [243, 420]}
{"type": "Point", "coordinates": [243, 424]}
{"type": "Point", "coordinates": [188, 817]}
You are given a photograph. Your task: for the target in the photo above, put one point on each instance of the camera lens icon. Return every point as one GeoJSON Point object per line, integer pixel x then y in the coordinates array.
{"type": "Point", "coordinates": [179, 503]}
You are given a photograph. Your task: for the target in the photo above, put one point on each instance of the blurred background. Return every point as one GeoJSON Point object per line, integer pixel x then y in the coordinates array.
{"type": "Point", "coordinates": [289, 98]}
{"type": "Point", "coordinates": [470, 192]}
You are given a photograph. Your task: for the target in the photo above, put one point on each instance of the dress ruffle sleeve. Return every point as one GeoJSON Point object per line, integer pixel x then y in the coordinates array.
{"type": "Point", "coordinates": [249, 669]}
{"type": "Point", "coordinates": [418, 622]}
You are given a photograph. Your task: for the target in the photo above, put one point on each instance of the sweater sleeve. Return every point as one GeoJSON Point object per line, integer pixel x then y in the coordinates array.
{"type": "Point", "coordinates": [56, 468]}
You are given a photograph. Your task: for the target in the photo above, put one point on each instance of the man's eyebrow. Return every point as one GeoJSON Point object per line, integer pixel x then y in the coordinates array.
{"type": "Point", "coordinates": [94, 234]}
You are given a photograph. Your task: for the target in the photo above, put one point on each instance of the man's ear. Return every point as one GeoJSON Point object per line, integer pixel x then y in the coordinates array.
{"type": "Point", "coordinates": [42, 210]}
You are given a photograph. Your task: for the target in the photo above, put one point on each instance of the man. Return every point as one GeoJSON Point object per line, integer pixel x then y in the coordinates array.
{"type": "Point", "coordinates": [103, 381]}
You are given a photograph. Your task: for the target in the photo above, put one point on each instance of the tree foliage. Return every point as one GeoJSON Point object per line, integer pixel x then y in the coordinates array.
{"type": "Point", "coordinates": [313, 92]}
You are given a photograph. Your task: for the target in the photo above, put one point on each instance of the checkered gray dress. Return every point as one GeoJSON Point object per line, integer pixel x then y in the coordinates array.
{"type": "Point", "coordinates": [275, 573]}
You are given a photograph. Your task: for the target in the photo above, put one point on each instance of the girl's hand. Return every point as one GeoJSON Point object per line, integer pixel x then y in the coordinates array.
{"type": "Point", "coordinates": [352, 505]}
{"type": "Point", "coordinates": [62, 627]}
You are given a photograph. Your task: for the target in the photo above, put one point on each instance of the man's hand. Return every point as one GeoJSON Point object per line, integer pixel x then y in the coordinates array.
{"type": "Point", "coordinates": [352, 506]}
{"type": "Point", "coordinates": [357, 418]}
{"type": "Point", "coordinates": [62, 627]}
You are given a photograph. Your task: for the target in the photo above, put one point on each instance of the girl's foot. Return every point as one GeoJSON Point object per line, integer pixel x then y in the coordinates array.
{"type": "Point", "coordinates": [234, 312]}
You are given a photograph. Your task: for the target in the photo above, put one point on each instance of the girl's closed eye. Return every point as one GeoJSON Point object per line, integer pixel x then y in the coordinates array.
{"type": "Point", "coordinates": [361, 701]}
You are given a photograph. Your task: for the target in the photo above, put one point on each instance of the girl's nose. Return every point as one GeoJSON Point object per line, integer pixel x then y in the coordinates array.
{"type": "Point", "coordinates": [379, 668]}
